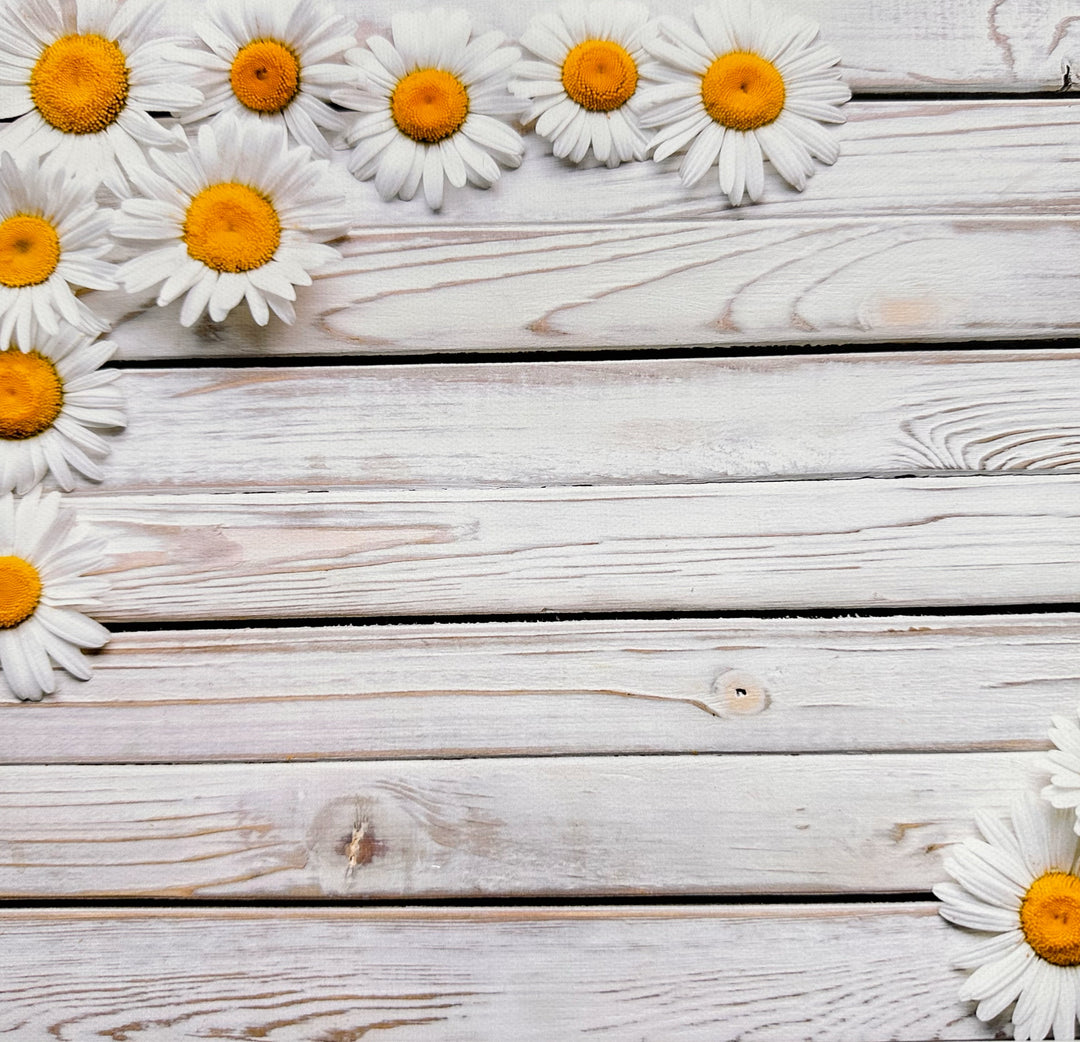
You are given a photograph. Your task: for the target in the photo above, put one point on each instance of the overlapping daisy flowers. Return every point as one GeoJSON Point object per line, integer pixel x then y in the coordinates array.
{"type": "Point", "coordinates": [194, 165]}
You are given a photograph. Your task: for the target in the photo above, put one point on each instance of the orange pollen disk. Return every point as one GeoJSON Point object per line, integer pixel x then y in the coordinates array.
{"type": "Point", "coordinates": [742, 91]}
{"type": "Point", "coordinates": [599, 75]}
{"type": "Point", "coordinates": [1050, 918]}
{"type": "Point", "coordinates": [231, 227]}
{"type": "Point", "coordinates": [79, 84]}
{"type": "Point", "coordinates": [265, 75]}
{"type": "Point", "coordinates": [31, 394]}
{"type": "Point", "coordinates": [29, 250]}
{"type": "Point", "coordinates": [20, 591]}
{"type": "Point", "coordinates": [429, 105]}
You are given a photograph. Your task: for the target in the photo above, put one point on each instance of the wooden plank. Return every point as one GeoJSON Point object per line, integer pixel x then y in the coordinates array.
{"type": "Point", "coordinates": [907, 683]}
{"type": "Point", "coordinates": [889, 45]}
{"type": "Point", "coordinates": [596, 423]}
{"type": "Point", "coordinates": [841, 973]}
{"type": "Point", "coordinates": [544, 826]}
{"type": "Point", "coordinates": [654, 284]}
{"type": "Point", "coordinates": [741, 546]}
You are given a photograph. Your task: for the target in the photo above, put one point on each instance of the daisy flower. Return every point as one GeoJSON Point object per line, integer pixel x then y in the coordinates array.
{"type": "Point", "coordinates": [276, 63]}
{"type": "Point", "coordinates": [584, 88]}
{"type": "Point", "coordinates": [1022, 886]}
{"type": "Point", "coordinates": [52, 237]}
{"type": "Point", "coordinates": [82, 77]}
{"type": "Point", "coordinates": [431, 106]}
{"type": "Point", "coordinates": [53, 401]}
{"type": "Point", "coordinates": [747, 84]}
{"type": "Point", "coordinates": [239, 216]}
{"type": "Point", "coordinates": [1064, 787]}
{"type": "Point", "coordinates": [41, 585]}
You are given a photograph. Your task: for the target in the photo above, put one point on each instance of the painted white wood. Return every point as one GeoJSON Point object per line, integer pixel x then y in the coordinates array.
{"type": "Point", "coordinates": [890, 45]}
{"type": "Point", "coordinates": [834, 973]}
{"type": "Point", "coordinates": [545, 826]}
{"type": "Point", "coordinates": [596, 423]}
{"type": "Point", "coordinates": [743, 546]}
{"type": "Point", "coordinates": [655, 284]}
{"type": "Point", "coordinates": [905, 683]}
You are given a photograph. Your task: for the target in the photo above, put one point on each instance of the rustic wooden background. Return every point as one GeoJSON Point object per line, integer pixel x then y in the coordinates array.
{"type": "Point", "coordinates": [599, 613]}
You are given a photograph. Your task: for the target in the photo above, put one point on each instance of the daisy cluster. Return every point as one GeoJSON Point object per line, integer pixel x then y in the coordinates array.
{"type": "Point", "coordinates": [195, 163]}
{"type": "Point", "coordinates": [1020, 887]}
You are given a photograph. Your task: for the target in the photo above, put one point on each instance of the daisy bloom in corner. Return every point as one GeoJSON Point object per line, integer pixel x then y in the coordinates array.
{"type": "Point", "coordinates": [52, 237]}
{"type": "Point", "coordinates": [83, 76]}
{"type": "Point", "coordinates": [745, 84]}
{"type": "Point", "coordinates": [53, 402]}
{"type": "Point", "coordinates": [241, 216]}
{"type": "Point", "coordinates": [431, 106]}
{"type": "Point", "coordinates": [585, 87]}
{"type": "Point", "coordinates": [1022, 887]}
{"type": "Point", "coordinates": [41, 586]}
{"type": "Point", "coordinates": [271, 62]}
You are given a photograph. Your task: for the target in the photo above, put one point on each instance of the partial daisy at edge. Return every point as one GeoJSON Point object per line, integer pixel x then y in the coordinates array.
{"type": "Point", "coordinates": [80, 79]}
{"type": "Point", "coordinates": [586, 83]}
{"type": "Point", "coordinates": [53, 239]}
{"type": "Point", "coordinates": [1063, 762]}
{"type": "Point", "coordinates": [239, 217]}
{"type": "Point", "coordinates": [745, 84]}
{"type": "Point", "coordinates": [432, 106]}
{"type": "Point", "coordinates": [1020, 887]}
{"type": "Point", "coordinates": [44, 592]}
{"type": "Point", "coordinates": [55, 401]}
{"type": "Point", "coordinates": [273, 63]}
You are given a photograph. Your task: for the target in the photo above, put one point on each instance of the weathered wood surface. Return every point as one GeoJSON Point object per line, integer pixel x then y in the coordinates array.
{"type": "Point", "coordinates": [543, 826]}
{"type": "Point", "coordinates": [738, 546]}
{"type": "Point", "coordinates": [915, 683]}
{"type": "Point", "coordinates": [889, 45]}
{"type": "Point", "coordinates": [656, 284]}
{"type": "Point", "coordinates": [834, 973]}
{"type": "Point", "coordinates": [596, 423]}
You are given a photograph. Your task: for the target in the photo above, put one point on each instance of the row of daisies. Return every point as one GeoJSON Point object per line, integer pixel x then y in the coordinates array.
{"type": "Point", "coordinates": [245, 210]}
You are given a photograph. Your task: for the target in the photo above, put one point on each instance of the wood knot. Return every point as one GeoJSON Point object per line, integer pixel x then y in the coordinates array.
{"type": "Point", "coordinates": [735, 693]}
{"type": "Point", "coordinates": [361, 847]}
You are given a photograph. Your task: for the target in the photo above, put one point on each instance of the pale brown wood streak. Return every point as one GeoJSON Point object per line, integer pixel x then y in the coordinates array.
{"type": "Point", "coordinates": [958, 541]}
{"type": "Point", "coordinates": [899, 683]}
{"type": "Point", "coordinates": [594, 825]}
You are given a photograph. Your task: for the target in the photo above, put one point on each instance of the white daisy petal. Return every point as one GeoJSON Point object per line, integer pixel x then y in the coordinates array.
{"type": "Point", "coordinates": [37, 619]}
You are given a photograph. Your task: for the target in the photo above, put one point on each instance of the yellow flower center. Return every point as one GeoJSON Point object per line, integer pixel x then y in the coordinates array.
{"type": "Point", "coordinates": [80, 83]}
{"type": "Point", "coordinates": [1050, 918]}
{"type": "Point", "coordinates": [20, 591]}
{"type": "Point", "coordinates": [29, 250]}
{"type": "Point", "coordinates": [429, 105]}
{"type": "Point", "coordinates": [599, 75]}
{"type": "Point", "coordinates": [230, 227]}
{"type": "Point", "coordinates": [265, 75]}
{"type": "Point", "coordinates": [742, 91]}
{"type": "Point", "coordinates": [31, 394]}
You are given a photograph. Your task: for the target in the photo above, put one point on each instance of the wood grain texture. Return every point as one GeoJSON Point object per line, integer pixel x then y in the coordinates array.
{"type": "Point", "coordinates": [673, 974]}
{"type": "Point", "coordinates": [889, 45]}
{"type": "Point", "coordinates": [563, 826]}
{"type": "Point", "coordinates": [655, 284]}
{"type": "Point", "coordinates": [914, 683]}
{"type": "Point", "coordinates": [741, 546]}
{"type": "Point", "coordinates": [596, 423]}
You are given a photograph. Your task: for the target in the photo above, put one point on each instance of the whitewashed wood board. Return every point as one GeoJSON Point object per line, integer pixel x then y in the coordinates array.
{"type": "Point", "coordinates": [889, 45]}
{"type": "Point", "coordinates": [655, 284]}
{"type": "Point", "coordinates": [899, 683]}
{"type": "Point", "coordinates": [738, 546]}
{"type": "Point", "coordinates": [834, 973]}
{"type": "Point", "coordinates": [596, 423]}
{"type": "Point", "coordinates": [542, 826]}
